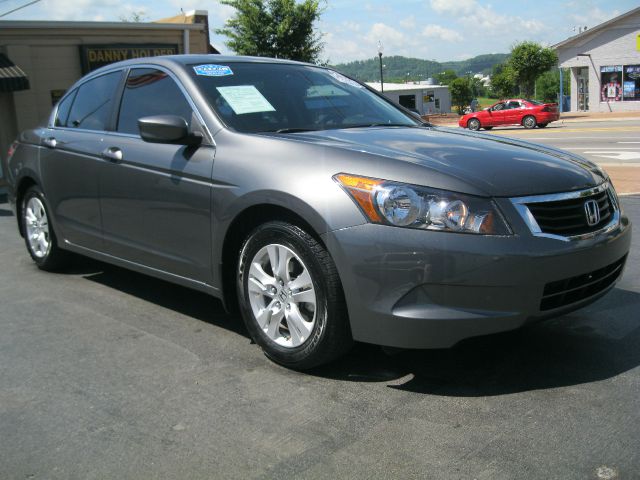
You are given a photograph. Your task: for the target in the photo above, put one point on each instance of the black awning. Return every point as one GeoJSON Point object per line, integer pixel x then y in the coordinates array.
{"type": "Point", "coordinates": [12, 78]}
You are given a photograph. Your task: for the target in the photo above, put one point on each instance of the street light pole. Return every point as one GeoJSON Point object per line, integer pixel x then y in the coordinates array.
{"type": "Point", "coordinates": [380, 58]}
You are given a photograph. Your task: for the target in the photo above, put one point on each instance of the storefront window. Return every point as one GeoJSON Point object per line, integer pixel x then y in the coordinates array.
{"type": "Point", "coordinates": [611, 81]}
{"type": "Point", "coordinates": [631, 87]}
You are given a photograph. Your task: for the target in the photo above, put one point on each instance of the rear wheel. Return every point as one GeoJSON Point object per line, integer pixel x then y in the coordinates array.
{"type": "Point", "coordinates": [39, 236]}
{"type": "Point", "coordinates": [529, 121]}
{"type": "Point", "coordinates": [291, 298]}
{"type": "Point", "coordinates": [473, 124]}
{"type": "Point", "coordinates": [542, 125]}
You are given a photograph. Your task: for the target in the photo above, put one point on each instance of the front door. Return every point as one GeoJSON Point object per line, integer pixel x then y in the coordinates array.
{"type": "Point", "coordinates": [156, 198]}
{"type": "Point", "coordinates": [495, 115]}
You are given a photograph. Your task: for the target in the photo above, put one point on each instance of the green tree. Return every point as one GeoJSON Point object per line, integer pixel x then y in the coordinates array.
{"type": "Point", "coordinates": [503, 82]}
{"type": "Point", "coordinates": [528, 61]}
{"type": "Point", "coordinates": [446, 77]}
{"type": "Point", "coordinates": [274, 28]}
{"type": "Point", "coordinates": [461, 94]}
{"type": "Point", "coordinates": [548, 86]}
{"type": "Point", "coordinates": [136, 16]}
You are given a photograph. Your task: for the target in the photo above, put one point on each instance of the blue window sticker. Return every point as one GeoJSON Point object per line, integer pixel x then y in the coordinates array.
{"type": "Point", "coordinates": [213, 70]}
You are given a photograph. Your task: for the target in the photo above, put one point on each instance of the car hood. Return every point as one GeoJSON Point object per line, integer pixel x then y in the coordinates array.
{"type": "Point", "coordinates": [491, 164]}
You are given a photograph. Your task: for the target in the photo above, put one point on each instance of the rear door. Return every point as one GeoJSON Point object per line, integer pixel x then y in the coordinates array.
{"type": "Point", "coordinates": [71, 159]}
{"type": "Point", "coordinates": [156, 198]}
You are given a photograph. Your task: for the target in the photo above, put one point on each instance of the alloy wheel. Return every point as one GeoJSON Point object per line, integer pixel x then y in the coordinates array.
{"type": "Point", "coordinates": [37, 227]}
{"type": "Point", "coordinates": [282, 295]}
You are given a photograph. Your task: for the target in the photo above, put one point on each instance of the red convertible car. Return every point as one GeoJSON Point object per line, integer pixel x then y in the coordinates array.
{"type": "Point", "coordinates": [527, 113]}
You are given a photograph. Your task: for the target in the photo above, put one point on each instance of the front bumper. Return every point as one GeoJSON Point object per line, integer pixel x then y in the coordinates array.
{"type": "Point", "coordinates": [421, 289]}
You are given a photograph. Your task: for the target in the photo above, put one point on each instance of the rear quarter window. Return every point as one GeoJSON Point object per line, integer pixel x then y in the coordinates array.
{"type": "Point", "coordinates": [64, 107]}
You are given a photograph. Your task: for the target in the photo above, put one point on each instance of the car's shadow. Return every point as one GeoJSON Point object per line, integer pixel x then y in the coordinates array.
{"type": "Point", "coordinates": [5, 211]}
{"type": "Point", "coordinates": [586, 346]}
{"type": "Point", "coordinates": [182, 300]}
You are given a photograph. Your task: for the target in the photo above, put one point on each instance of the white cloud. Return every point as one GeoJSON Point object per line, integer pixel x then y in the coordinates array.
{"type": "Point", "coordinates": [442, 33]}
{"type": "Point", "coordinates": [344, 44]}
{"type": "Point", "coordinates": [454, 6]}
{"type": "Point", "coordinates": [479, 17]}
{"type": "Point", "coordinates": [389, 36]}
{"type": "Point", "coordinates": [351, 26]}
{"type": "Point", "coordinates": [408, 23]}
{"type": "Point", "coordinates": [593, 16]}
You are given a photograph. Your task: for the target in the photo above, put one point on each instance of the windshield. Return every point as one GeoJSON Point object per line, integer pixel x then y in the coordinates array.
{"type": "Point", "coordinates": [267, 97]}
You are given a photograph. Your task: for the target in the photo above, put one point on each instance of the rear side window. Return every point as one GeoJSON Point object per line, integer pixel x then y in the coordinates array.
{"type": "Point", "coordinates": [93, 102]}
{"type": "Point", "coordinates": [64, 108]}
{"type": "Point", "coordinates": [150, 92]}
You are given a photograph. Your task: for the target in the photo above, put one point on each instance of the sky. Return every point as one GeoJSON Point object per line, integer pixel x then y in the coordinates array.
{"type": "Point", "coordinates": [430, 29]}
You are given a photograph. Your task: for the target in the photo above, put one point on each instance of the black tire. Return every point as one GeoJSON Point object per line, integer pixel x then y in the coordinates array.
{"type": "Point", "coordinates": [488, 128]}
{"type": "Point", "coordinates": [53, 258]}
{"type": "Point", "coordinates": [542, 125]}
{"type": "Point", "coordinates": [473, 124]}
{"type": "Point", "coordinates": [529, 122]}
{"type": "Point", "coordinates": [331, 334]}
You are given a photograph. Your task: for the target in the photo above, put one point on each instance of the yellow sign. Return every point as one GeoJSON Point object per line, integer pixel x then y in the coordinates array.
{"type": "Point", "coordinates": [96, 56]}
{"type": "Point", "coordinates": [638, 42]}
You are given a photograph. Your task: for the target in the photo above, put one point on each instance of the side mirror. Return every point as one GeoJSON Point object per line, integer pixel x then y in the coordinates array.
{"type": "Point", "coordinates": [170, 129]}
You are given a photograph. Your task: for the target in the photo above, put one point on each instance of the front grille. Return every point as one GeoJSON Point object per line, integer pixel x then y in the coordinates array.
{"type": "Point", "coordinates": [570, 290]}
{"type": "Point", "coordinates": [568, 217]}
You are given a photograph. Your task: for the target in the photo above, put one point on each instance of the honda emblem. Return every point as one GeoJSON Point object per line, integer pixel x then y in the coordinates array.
{"type": "Point", "coordinates": [592, 211]}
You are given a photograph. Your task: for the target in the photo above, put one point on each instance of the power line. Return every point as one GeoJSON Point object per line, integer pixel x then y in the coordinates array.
{"type": "Point", "coordinates": [19, 8]}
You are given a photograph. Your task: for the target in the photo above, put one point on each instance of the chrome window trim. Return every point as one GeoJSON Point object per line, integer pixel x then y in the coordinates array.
{"type": "Point", "coordinates": [126, 70]}
{"type": "Point", "coordinates": [520, 204]}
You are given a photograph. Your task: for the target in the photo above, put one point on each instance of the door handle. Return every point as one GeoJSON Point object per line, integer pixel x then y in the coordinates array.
{"type": "Point", "coordinates": [50, 142]}
{"type": "Point", "coordinates": [113, 154]}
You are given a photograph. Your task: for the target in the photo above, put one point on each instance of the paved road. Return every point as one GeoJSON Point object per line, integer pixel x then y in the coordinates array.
{"type": "Point", "coordinates": [105, 373]}
{"type": "Point", "coordinates": [606, 143]}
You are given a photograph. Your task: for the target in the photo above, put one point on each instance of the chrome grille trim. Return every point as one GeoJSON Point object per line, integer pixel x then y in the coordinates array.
{"type": "Point", "coordinates": [520, 204]}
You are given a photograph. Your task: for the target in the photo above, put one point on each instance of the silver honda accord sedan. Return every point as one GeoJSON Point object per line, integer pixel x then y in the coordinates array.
{"type": "Point", "coordinates": [319, 209]}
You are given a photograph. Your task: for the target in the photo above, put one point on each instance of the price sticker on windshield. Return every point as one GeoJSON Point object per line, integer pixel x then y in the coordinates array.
{"type": "Point", "coordinates": [213, 70]}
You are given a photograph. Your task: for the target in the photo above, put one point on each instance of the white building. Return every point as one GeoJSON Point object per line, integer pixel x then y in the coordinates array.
{"type": "Point", "coordinates": [605, 65]}
{"type": "Point", "coordinates": [425, 99]}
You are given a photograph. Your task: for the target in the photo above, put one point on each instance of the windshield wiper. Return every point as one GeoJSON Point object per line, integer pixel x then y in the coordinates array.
{"type": "Point", "coordinates": [289, 130]}
{"type": "Point", "coordinates": [367, 125]}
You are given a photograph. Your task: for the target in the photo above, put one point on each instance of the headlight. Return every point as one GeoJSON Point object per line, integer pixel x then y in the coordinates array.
{"type": "Point", "coordinates": [402, 205]}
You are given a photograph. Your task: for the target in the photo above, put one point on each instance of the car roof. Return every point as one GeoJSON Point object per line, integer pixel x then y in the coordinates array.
{"type": "Point", "coordinates": [181, 61]}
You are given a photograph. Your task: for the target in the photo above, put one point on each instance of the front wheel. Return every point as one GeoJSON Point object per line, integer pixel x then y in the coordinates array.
{"type": "Point", "coordinates": [473, 124]}
{"type": "Point", "coordinates": [291, 298]}
{"type": "Point", "coordinates": [39, 236]}
{"type": "Point", "coordinates": [529, 122]}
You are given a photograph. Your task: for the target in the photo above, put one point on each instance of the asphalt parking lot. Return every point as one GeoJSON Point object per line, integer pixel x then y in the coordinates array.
{"type": "Point", "coordinates": [105, 373]}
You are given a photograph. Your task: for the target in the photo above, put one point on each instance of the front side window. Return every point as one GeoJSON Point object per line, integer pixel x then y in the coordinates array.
{"type": "Point", "coordinates": [267, 97]}
{"type": "Point", "coordinates": [150, 92]}
{"type": "Point", "coordinates": [93, 102]}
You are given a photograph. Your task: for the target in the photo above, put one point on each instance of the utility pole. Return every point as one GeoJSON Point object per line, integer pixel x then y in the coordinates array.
{"type": "Point", "coordinates": [380, 58]}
